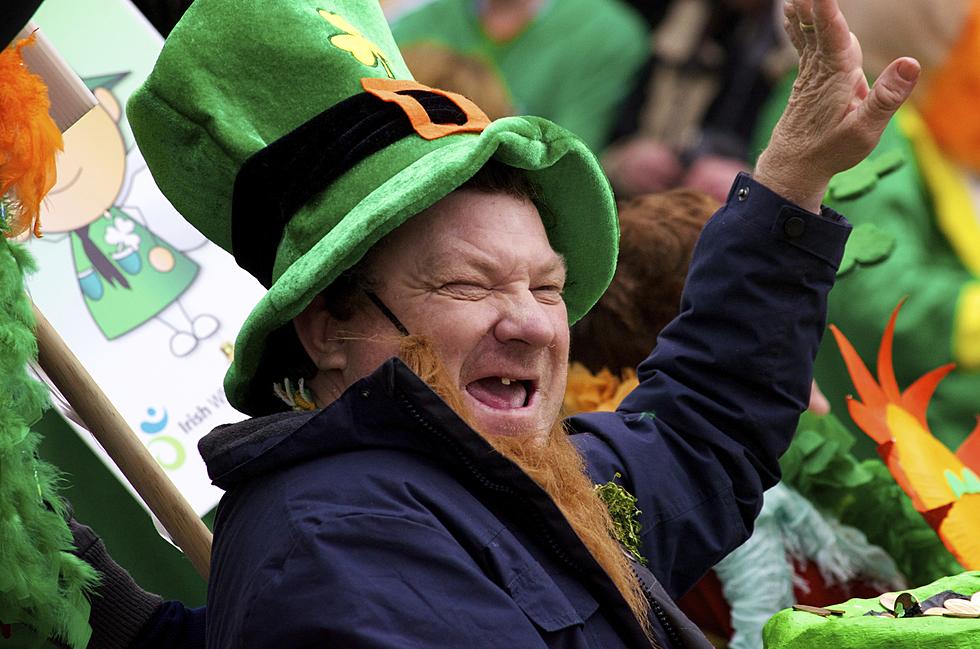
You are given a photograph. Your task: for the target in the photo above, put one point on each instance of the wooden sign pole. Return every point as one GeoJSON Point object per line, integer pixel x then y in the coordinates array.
{"type": "Point", "coordinates": [101, 418]}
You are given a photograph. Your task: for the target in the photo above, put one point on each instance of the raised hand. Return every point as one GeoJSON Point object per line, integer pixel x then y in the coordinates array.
{"type": "Point", "coordinates": [833, 118]}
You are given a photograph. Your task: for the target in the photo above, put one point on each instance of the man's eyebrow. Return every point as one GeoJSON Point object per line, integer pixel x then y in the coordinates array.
{"type": "Point", "coordinates": [441, 262]}
{"type": "Point", "coordinates": [557, 265]}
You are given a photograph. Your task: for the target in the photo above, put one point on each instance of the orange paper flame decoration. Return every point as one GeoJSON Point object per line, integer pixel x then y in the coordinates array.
{"type": "Point", "coordinates": [943, 486]}
{"type": "Point", "coordinates": [29, 141]}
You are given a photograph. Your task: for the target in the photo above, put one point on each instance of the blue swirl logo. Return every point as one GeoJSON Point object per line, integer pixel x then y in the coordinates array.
{"type": "Point", "coordinates": [156, 423]}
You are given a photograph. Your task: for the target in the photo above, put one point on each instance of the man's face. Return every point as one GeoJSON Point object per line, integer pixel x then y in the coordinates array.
{"type": "Point", "coordinates": [475, 273]}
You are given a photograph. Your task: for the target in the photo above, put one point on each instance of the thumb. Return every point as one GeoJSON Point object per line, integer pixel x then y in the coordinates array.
{"type": "Point", "coordinates": [889, 92]}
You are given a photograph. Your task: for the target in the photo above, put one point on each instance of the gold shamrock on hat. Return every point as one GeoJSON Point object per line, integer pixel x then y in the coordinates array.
{"type": "Point", "coordinates": [353, 41]}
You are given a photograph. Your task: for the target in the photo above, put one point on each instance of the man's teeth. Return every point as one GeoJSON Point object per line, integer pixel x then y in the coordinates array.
{"type": "Point", "coordinates": [506, 381]}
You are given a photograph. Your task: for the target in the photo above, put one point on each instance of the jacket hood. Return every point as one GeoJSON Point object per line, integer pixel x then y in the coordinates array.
{"type": "Point", "coordinates": [390, 408]}
{"type": "Point", "coordinates": [364, 416]}
{"type": "Point", "coordinates": [231, 446]}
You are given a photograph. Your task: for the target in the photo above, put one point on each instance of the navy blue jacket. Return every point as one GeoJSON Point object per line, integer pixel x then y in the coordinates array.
{"type": "Point", "coordinates": [384, 521]}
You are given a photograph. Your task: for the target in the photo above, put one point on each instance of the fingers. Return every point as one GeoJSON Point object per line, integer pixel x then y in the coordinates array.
{"type": "Point", "coordinates": [823, 12]}
{"type": "Point", "coordinates": [889, 92]}
{"type": "Point", "coordinates": [803, 10]}
{"type": "Point", "coordinates": [792, 27]}
{"type": "Point", "coordinates": [821, 23]}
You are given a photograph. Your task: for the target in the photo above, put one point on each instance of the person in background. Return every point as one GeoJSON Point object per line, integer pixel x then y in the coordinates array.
{"type": "Point", "coordinates": [534, 45]}
{"type": "Point", "coordinates": [470, 76]}
{"type": "Point", "coordinates": [689, 120]}
{"type": "Point", "coordinates": [657, 237]}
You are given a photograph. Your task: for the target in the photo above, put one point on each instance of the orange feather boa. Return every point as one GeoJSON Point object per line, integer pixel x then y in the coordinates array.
{"type": "Point", "coordinates": [29, 141]}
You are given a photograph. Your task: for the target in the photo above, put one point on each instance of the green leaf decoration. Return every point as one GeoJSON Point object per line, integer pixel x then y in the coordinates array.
{"type": "Point", "coordinates": [888, 162]}
{"type": "Point", "coordinates": [625, 516]}
{"type": "Point", "coordinates": [819, 464]}
{"type": "Point", "coordinates": [868, 245]}
{"type": "Point", "coordinates": [858, 181]}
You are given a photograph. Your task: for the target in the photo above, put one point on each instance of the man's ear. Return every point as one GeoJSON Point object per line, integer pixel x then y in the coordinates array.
{"type": "Point", "coordinates": [316, 330]}
{"type": "Point", "coordinates": [109, 102]}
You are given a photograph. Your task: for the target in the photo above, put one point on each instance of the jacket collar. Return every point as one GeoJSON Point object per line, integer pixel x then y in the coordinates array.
{"type": "Point", "coordinates": [394, 408]}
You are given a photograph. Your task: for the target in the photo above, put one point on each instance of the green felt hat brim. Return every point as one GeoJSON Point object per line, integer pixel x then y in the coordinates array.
{"type": "Point", "coordinates": [575, 201]}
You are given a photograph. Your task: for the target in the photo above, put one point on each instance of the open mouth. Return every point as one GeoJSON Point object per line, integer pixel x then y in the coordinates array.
{"type": "Point", "coordinates": [502, 392]}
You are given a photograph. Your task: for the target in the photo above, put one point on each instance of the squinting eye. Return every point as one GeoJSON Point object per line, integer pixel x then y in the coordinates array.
{"type": "Point", "coordinates": [465, 291]}
{"type": "Point", "coordinates": [549, 294]}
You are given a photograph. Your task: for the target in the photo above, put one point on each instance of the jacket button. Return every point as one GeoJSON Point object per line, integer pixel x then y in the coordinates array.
{"type": "Point", "coordinates": [743, 193]}
{"type": "Point", "coordinates": [794, 227]}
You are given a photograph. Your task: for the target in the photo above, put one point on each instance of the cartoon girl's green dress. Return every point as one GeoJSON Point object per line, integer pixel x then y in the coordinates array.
{"type": "Point", "coordinates": [126, 273]}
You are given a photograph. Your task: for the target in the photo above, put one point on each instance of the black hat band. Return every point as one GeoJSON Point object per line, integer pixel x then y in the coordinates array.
{"type": "Point", "coordinates": [276, 181]}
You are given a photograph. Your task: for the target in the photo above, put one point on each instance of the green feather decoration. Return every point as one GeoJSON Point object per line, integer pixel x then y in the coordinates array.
{"type": "Point", "coordinates": [625, 516]}
{"type": "Point", "coordinates": [42, 585]}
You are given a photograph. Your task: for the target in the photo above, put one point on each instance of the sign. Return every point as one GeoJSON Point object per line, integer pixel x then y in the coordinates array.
{"type": "Point", "coordinates": [147, 303]}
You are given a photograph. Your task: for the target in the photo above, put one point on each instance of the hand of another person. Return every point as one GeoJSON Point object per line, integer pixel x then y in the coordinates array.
{"type": "Point", "coordinates": [818, 402]}
{"type": "Point", "coordinates": [120, 607]}
{"type": "Point", "coordinates": [713, 175]}
{"type": "Point", "coordinates": [833, 119]}
{"type": "Point", "coordinates": [642, 166]}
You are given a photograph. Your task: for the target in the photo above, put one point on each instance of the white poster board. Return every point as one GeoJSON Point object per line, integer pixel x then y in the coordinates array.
{"type": "Point", "coordinates": [149, 306]}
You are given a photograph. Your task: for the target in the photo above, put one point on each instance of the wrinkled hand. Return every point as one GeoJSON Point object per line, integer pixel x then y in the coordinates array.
{"type": "Point", "coordinates": [833, 119]}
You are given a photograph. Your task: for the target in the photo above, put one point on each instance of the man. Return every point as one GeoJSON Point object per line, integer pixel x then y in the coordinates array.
{"type": "Point", "coordinates": [446, 506]}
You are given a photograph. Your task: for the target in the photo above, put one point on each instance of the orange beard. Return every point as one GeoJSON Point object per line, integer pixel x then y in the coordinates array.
{"type": "Point", "coordinates": [556, 466]}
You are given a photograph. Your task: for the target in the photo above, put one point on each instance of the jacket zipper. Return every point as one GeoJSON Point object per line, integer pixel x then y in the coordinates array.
{"type": "Point", "coordinates": [487, 483]}
{"type": "Point", "coordinates": [655, 607]}
{"type": "Point", "coordinates": [538, 518]}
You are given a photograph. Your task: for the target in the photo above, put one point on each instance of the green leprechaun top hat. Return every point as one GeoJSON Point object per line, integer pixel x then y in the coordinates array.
{"type": "Point", "coordinates": [291, 134]}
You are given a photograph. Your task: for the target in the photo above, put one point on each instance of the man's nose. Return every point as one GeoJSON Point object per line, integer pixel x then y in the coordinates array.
{"type": "Point", "coordinates": [524, 319]}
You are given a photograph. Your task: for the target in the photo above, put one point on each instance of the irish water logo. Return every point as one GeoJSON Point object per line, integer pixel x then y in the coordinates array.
{"type": "Point", "coordinates": [156, 423]}
{"type": "Point", "coordinates": [167, 451]}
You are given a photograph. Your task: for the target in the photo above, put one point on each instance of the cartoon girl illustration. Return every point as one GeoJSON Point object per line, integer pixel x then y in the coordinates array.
{"type": "Point", "coordinates": [127, 274]}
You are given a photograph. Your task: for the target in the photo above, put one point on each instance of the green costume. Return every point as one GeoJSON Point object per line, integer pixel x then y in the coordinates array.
{"type": "Point", "coordinates": [936, 263]}
{"type": "Point", "coordinates": [801, 630]}
{"type": "Point", "coordinates": [574, 63]}
{"type": "Point", "coordinates": [126, 273]}
{"type": "Point", "coordinates": [925, 206]}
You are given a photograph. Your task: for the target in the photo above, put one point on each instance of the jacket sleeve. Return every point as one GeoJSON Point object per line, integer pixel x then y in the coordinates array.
{"type": "Point", "coordinates": [698, 441]}
{"type": "Point", "coordinates": [373, 581]}
{"type": "Point", "coordinates": [172, 626]}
